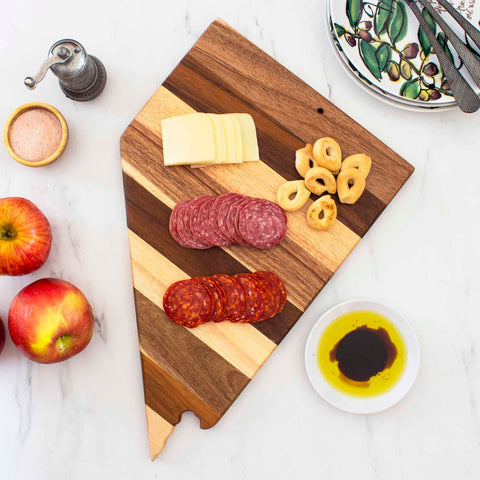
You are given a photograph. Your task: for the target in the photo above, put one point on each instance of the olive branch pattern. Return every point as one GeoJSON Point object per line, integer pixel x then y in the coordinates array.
{"type": "Point", "coordinates": [377, 30]}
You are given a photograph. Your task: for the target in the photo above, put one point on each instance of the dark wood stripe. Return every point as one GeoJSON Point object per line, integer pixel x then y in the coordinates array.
{"type": "Point", "coordinates": [240, 66]}
{"type": "Point", "coordinates": [192, 376]}
{"type": "Point", "coordinates": [286, 258]}
{"type": "Point", "coordinates": [148, 218]}
{"type": "Point", "coordinates": [170, 398]}
{"type": "Point", "coordinates": [277, 145]}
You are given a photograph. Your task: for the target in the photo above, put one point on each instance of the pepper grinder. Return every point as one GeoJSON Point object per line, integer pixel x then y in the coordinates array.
{"type": "Point", "coordinates": [81, 76]}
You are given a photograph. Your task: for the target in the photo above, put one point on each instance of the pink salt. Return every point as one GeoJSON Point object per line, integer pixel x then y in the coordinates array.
{"type": "Point", "coordinates": [35, 135]}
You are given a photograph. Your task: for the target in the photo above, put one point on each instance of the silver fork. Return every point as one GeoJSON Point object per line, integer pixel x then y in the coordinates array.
{"type": "Point", "coordinates": [470, 60]}
{"type": "Point", "coordinates": [464, 94]}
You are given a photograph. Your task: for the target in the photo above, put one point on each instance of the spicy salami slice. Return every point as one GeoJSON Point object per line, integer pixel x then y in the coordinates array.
{"type": "Point", "coordinates": [205, 226]}
{"type": "Point", "coordinates": [235, 295]}
{"type": "Point", "coordinates": [281, 288]}
{"type": "Point", "coordinates": [254, 298]}
{"type": "Point", "coordinates": [172, 225]}
{"type": "Point", "coordinates": [219, 298]}
{"type": "Point", "coordinates": [262, 224]}
{"type": "Point", "coordinates": [188, 303]}
{"type": "Point", "coordinates": [183, 229]}
{"type": "Point", "coordinates": [272, 301]}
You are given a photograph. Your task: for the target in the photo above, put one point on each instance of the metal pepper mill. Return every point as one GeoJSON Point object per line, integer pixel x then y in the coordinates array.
{"type": "Point", "coordinates": [82, 77]}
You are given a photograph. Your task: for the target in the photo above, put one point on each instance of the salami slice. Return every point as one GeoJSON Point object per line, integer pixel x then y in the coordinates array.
{"type": "Point", "coordinates": [193, 217]}
{"type": "Point", "coordinates": [206, 228]}
{"type": "Point", "coordinates": [232, 220]}
{"type": "Point", "coordinates": [272, 301]}
{"type": "Point", "coordinates": [224, 212]}
{"type": "Point", "coordinates": [235, 295]}
{"type": "Point", "coordinates": [254, 298]}
{"type": "Point", "coordinates": [214, 214]}
{"type": "Point", "coordinates": [172, 225]}
{"type": "Point", "coordinates": [262, 224]}
{"type": "Point", "coordinates": [183, 229]}
{"type": "Point", "coordinates": [188, 303]}
{"type": "Point", "coordinates": [281, 288]}
{"type": "Point", "coordinates": [219, 298]}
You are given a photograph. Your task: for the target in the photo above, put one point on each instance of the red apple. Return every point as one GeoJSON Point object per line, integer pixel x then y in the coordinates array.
{"type": "Point", "coordinates": [2, 335]}
{"type": "Point", "coordinates": [25, 236]}
{"type": "Point", "coordinates": [50, 320]}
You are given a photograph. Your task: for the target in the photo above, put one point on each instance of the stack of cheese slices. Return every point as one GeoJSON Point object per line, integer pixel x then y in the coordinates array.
{"type": "Point", "coordinates": [203, 139]}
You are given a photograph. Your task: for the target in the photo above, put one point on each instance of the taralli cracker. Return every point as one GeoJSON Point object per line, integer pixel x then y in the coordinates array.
{"type": "Point", "coordinates": [295, 189]}
{"type": "Point", "coordinates": [304, 160]}
{"type": "Point", "coordinates": [320, 180]}
{"type": "Point", "coordinates": [322, 213]}
{"type": "Point", "coordinates": [350, 185]}
{"type": "Point", "coordinates": [359, 160]}
{"type": "Point", "coordinates": [327, 153]}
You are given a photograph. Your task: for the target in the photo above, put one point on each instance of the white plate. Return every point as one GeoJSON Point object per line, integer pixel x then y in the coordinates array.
{"type": "Point", "coordinates": [358, 404]}
{"type": "Point", "coordinates": [380, 85]}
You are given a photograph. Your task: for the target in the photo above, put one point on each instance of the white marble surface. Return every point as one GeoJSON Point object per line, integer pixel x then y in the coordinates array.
{"type": "Point", "coordinates": [85, 418]}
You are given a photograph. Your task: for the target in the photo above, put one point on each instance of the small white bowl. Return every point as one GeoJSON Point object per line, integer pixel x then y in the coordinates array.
{"type": "Point", "coordinates": [359, 404]}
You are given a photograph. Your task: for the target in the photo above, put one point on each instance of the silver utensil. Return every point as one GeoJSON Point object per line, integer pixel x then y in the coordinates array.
{"type": "Point", "coordinates": [464, 94]}
{"type": "Point", "coordinates": [470, 60]}
{"type": "Point", "coordinates": [473, 32]}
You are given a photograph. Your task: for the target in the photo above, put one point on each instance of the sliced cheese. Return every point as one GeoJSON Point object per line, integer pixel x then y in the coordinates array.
{"type": "Point", "coordinates": [188, 140]}
{"type": "Point", "coordinates": [220, 141]}
{"type": "Point", "coordinates": [249, 137]}
{"type": "Point", "coordinates": [233, 137]}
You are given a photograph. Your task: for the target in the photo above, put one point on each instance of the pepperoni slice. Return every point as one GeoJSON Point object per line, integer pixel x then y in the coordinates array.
{"type": "Point", "coordinates": [235, 295]}
{"type": "Point", "coordinates": [172, 224]}
{"type": "Point", "coordinates": [255, 296]}
{"type": "Point", "coordinates": [272, 301]}
{"type": "Point", "coordinates": [262, 223]}
{"type": "Point", "coordinates": [188, 303]}
{"type": "Point", "coordinates": [206, 228]}
{"type": "Point", "coordinates": [281, 287]}
{"type": "Point", "coordinates": [214, 214]}
{"type": "Point", "coordinates": [219, 298]}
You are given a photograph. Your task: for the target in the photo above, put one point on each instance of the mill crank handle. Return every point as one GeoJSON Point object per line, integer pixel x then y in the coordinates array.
{"type": "Point", "coordinates": [61, 56]}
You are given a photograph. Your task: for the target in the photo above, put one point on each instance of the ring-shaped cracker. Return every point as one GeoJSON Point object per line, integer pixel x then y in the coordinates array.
{"type": "Point", "coordinates": [322, 213]}
{"type": "Point", "coordinates": [315, 176]}
{"type": "Point", "coordinates": [350, 185]}
{"type": "Point", "coordinates": [327, 153]}
{"type": "Point", "coordinates": [359, 160]}
{"type": "Point", "coordinates": [284, 193]}
{"type": "Point", "coordinates": [304, 160]}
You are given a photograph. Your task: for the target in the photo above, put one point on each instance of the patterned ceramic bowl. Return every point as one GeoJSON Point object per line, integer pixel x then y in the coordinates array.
{"type": "Point", "coordinates": [386, 52]}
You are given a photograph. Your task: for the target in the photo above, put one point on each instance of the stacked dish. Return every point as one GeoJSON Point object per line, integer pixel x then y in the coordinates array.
{"type": "Point", "coordinates": [384, 50]}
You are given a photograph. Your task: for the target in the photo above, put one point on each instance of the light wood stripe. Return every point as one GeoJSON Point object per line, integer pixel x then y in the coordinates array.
{"type": "Point", "coordinates": [242, 345]}
{"type": "Point", "coordinates": [330, 247]}
{"type": "Point", "coordinates": [158, 432]}
{"type": "Point", "coordinates": [254, 179]}
{"type": "Point", "coordinates": [299, 289]}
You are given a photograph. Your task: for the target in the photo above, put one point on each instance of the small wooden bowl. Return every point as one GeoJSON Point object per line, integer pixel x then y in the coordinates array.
{"type": "Point", "coordinates": [31, 106]}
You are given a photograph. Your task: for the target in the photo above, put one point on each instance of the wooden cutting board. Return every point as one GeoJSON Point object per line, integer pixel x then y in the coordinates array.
{"type": "Point", "coordinates": [206, 368]}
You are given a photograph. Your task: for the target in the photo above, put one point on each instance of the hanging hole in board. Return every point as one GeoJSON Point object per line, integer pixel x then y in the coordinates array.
{"type": "Point", "coordinates": [320, 110]}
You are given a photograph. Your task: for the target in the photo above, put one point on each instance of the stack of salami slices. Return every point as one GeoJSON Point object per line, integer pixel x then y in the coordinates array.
{"type": "Point", "coordinates": [228, 219]}
{"type": "Point", "coordinates": [242, 298]}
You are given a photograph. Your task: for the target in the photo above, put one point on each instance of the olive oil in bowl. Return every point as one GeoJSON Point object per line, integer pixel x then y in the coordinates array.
{"type": "Point", "coordinates": [362, 354]}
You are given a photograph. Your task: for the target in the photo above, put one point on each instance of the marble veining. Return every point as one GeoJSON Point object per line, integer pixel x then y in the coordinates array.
{"type": "Point", "coordinates": [85, 418]}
